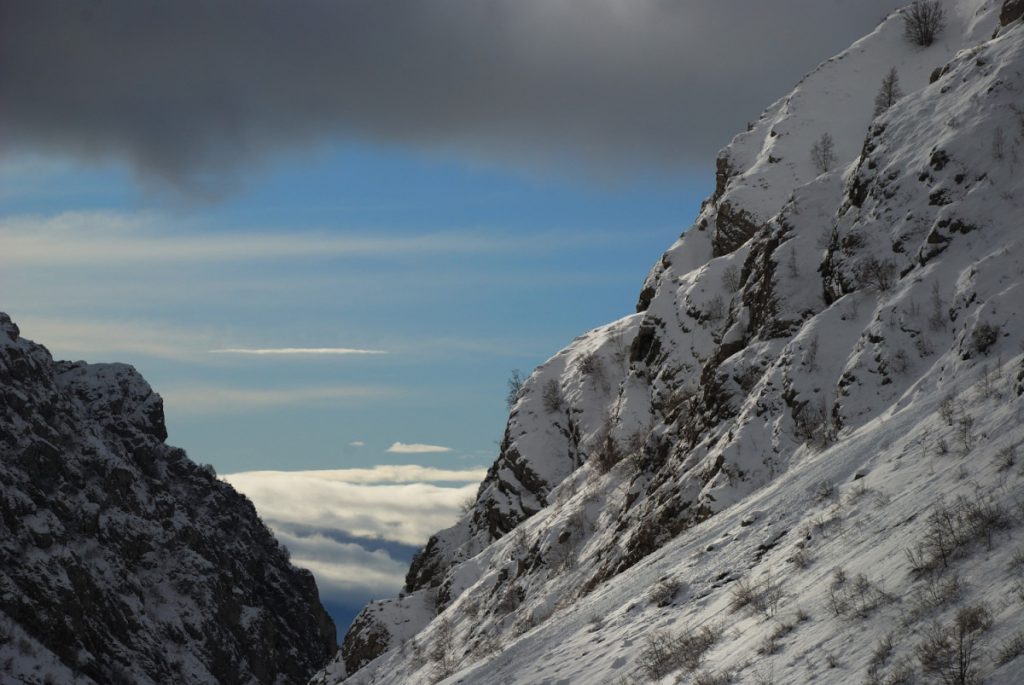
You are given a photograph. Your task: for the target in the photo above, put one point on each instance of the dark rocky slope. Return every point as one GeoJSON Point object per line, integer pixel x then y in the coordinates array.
{"type": "Point", "coordinates": [121, 560]}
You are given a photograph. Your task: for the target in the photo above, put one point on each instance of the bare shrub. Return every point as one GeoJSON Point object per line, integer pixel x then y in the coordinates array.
{"type": "Point", "coordinates": [998, 143]}
{"type": "Point", "coordinates": [937, 319]}
{"type": "Point", "coordinates": [731, 278]}
{"type": "Point", "coordinates": [762, 597]}
{"type": "Point", "coordinates": [882, 652]}
{"type": "Point", "coordinates": [714, 310]}
{"type": "Point", "coordinates": [810, 358]}
{"type": "Point", "coordinates": [951, 527]}
{"type": "Point", "coordinates": [947, 409]}
{"type": "Point", "coordinates": [665, 652]}
{"type": "Point", "coordinates": [768, 645]}
{"type": "Point", "coordinates": [814, 424]}
{"type": "Point", "coordinates": [713, 678]}
{"type": "Point", "coordinates": [923, 21]}
{"type": "Point", "coordinates": [510, 600]}
{"type": "Point", "coordinates": [1017, 591]}
{"type": "Point", "coordinates": [988, 385]}
{"type": "Point", "coordinates": [552, 396]}
{"type": "Point", "coordinates": [857, 492]}
{"type": "Point", "coordinates": [515, 387]}
{"type": "Point", "coordinates": [950, 652]}
{"type": "Point", "coordinates": [605, 453]}
{"type": "Point", "coordinates": [902, 673]}
{"type": "Point", "coordinates": [875, 273]}
{"type": "Point", "coordinates": [487, 644]}
{"type": "Point", "coordinates": [800, 558]}
{"type": "Point", "coordinates": [442, 651]}
{"type": "Point", "coordinates": [984, 336]}
{"type": "Point", "coordinates": [1010, 649]}
{"type": "Point", "coordinates": [664, 591]}
{"type": "Point", "coordinates": [823, 153]}
{"type": "Point", "coordinates": [589, 364]}
{"type": "Point", "coordinates": [1016, 565]}
{"type": "Point", "coordinates": [856, 596]}
{"type": "Point", "coordinates": [899, 361]}
{"type": "Point", "coordinates": [824, 490]}
{"type": "Point", "coordinates": [936, 591]}
{"type": "Point", "coordinates": [965, 432]}
{"type": "Point", "coordinates": [770, 642]}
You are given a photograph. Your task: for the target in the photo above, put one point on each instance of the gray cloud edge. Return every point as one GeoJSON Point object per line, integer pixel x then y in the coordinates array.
{"type": "Point", "coordinates": [189, 92]}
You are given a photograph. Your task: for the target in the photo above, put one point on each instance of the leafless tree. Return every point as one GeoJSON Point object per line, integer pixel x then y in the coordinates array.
{"type": "Point", "coordinates": [923, 21]}
{"type": "Point", "coordinates": [823, 153]}
{"type": "Point", "coordinates": [889, 93]}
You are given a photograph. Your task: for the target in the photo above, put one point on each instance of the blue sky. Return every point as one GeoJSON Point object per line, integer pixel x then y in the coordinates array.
{"type": "Point", "coordinates": [458, 272]}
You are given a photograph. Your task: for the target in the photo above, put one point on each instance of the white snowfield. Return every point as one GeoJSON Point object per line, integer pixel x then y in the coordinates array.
{"type": "Point", "coordinates": [803, 461]}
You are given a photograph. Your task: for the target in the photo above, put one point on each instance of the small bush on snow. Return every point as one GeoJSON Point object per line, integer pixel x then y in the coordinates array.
{"type": "Point", "coordinates": [552, 396]}
{"type": "Point", "coordinates": [665, 652]}
{"type": "Point", "coordinates": [1010, 649]}
{"type": "Point", "coordinates": [952, 527]}
{"type": "Point", "coordinates": [664, 591]}
{"type": "Point", "coordinates": [984, 336]}
{"type": "Point", "coordinates": [762, 597]}
{"type": "Point", "coordinates": [950, 652]}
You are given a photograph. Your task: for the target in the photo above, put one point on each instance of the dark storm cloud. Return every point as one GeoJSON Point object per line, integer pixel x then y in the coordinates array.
{"type": "Point", "coordinates": [187, 90]}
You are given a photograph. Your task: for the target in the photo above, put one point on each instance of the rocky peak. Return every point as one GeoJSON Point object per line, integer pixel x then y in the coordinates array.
{"type": "Point", "coordinates": [121, 560]}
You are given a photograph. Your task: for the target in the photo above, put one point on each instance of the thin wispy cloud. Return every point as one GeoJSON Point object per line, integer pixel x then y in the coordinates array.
{"type": "Point", "coordinates": [416, 448]}
{"type": "Point", "coordinates": [295, 351]}
{"type": "Point", "coordinates": [213, 399]}
{"type": "Point", "coordinates": [357, 443]}
{"type": "Point", "coordinates": [108, 237]}
{"type": "Point", "coordinates": [91, 338]}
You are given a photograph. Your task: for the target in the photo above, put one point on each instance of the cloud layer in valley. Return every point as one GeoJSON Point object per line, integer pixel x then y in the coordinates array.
{"type": "Point", "coordinates": [357, 529]}
{"type": "Point", "coordinates": [188, 90]}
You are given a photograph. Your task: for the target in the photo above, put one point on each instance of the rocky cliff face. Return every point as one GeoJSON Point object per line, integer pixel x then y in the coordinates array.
{"type": "Point", "coordinates": [122, 561]}
{"type": "Point", "coordinates": [823, 369]}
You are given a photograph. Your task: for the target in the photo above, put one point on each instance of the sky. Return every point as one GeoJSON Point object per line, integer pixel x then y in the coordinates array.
{"type": "Point", "coordinates": [326, 232]}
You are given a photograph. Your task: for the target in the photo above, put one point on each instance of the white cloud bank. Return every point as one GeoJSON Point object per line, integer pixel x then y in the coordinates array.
{"type": "Point", "coordinates": [384, 473]}
{"type": "Point", "coordinates": [416, 448]}
{"type": "Point", "coordinates": [385, 503]}
{"type": "Point", "coordinates": [373, 503]}
{"type": "Point", "coordinates": [343, 570]}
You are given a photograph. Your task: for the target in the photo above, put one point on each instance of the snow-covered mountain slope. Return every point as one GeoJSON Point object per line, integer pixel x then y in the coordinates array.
{"type": "Point", "coordinates": [800, 459]}
{"type": "Point", "coordinates": [122, 561]}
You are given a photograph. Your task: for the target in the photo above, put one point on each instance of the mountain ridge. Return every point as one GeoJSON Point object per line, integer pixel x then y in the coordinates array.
{"type": "Point", "coordinates": [805, 313]}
